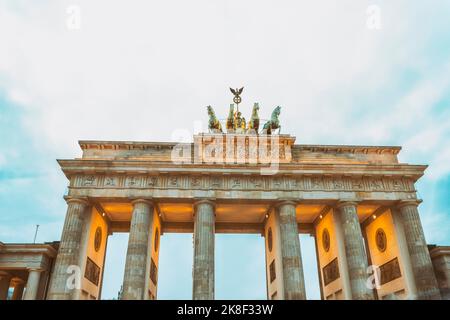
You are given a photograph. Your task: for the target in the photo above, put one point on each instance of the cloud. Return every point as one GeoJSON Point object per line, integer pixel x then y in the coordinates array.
{"type": "Point", "coordinates": [3, 160]}
{"type": "Point", "coordinates": [139, 71]}
{"type": "Point", "coordinates": [111, 78]}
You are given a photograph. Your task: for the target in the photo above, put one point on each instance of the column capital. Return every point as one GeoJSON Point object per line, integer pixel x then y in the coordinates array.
{"type": "Point", "coordinates": [82, 200]}
{"type": "Point", "coordinates": [346, 203]}
{"type": "Point", "coordinates": [148, 201]}
{"type": "Point", "coordinates": [282, 202]}
{"type": "Point", "coordinates": [210, 201]}
{"type": "Point", "coordinates": [409, 202]}
{"type": "Point", "coordinates": [35, 270]}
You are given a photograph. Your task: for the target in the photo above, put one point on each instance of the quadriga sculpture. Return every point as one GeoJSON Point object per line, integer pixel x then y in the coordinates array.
{"type": "Point", "coordinates": [273, 123]}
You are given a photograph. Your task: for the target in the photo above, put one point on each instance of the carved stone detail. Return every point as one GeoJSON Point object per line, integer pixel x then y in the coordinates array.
{"type": "Point", "coordinates": [246, 182]}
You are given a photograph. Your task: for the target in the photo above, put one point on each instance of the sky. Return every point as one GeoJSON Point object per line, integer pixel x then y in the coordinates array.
{"type": "Point", "coordinates": [344, 72]}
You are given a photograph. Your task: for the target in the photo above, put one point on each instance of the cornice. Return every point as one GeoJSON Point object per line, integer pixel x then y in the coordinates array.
{"type": "Point", "coordinates": [348, 149]}
{"type": "Point", "coordinates": [101, 166]}
{"type": "Point", "coordinates": [29, 248]}
{"type": "Point", "coordinates": [142, 145]}
{"type": "Point", "coordinates": [125, 145]}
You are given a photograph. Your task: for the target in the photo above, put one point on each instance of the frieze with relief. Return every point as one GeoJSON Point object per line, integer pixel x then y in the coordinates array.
{"type": "Point", "coordinates": [244, 182]}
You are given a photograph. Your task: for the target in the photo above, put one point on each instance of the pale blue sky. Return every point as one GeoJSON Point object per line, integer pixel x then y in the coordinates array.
{"type": "Point", "coordinates": [140, 71]}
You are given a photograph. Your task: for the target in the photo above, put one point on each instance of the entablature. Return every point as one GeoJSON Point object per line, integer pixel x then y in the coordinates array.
{"type": "Point", "coordinates": [123, 167]}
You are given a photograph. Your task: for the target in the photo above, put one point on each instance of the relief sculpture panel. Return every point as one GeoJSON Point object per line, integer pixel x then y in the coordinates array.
{"type": "Point", "coordinates": [247, 182]}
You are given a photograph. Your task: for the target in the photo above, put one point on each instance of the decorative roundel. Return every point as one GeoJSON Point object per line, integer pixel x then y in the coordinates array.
{"type": "Point", "coordinates": [326, 240]}
{"type": "Point", "coordinates": [156, 243]}
{"type": "Point", "coordinates": [269, 239]}
{"type": "Point", "coordinates": [98, 239]}
{"type": "Point", "coordinates": [380, 239]}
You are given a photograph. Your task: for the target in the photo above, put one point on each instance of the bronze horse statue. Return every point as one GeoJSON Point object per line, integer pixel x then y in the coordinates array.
{"type": "Point", "coordinates": [253, 124]}
{"type": "Point", "coordinates": [273, 123]}
{"type": "Point", "coordinates": [213, 124]}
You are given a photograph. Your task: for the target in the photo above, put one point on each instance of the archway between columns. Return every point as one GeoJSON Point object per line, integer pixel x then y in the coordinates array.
{"type": "Point", "coordinates": [240, 267]}
{"type": "Point", "coordinates": [114, 265]}
{"type": "Point", "coordinates": [310, 270]}
{"type": "Point", "coordinates": [175, 266]}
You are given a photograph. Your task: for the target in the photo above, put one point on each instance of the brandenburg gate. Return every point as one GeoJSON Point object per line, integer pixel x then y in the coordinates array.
{"type": "Point", "coordinates": [360, 203]}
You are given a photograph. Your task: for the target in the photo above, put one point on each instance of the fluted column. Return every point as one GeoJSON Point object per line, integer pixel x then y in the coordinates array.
{"type": "Point", "coordinates": [293, 280]}
{"type": "Point", "coordinates": [204, 234]}
{"type": "Point", "coordinates": [425, 279]}
{"type": "Point", "coordinates": [134, 280]}
{"type": "Point", "coordinates": [34, 276]}
{"type": "Point", "coordinates": [69, 252]}
{"type": "Point", "coordinates": [354, 251]}
{"type": "Point", "coordinates": [18, 285]}
{"type": "Point", "coordinates": [5, 280]}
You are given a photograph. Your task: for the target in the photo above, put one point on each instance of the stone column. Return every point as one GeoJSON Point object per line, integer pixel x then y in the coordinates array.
{"type": "Point", "coordinates": [61, 286]}
{"type": "Point", "coordinates": [204, 232]}
{"type": "Point", "coordinates": [18, 289]}
{"type": "Point", "coordinates": [422, 267]}
{"type": "Point", "coordinates": [294, 283]}
{"type": "Point", "coordinates": [354, 251]}
{"type": "Point", "coordinates": [34, 276]}
{"type": "Point", "coordinates": [5, 280]}
{"type": "Point", "coordinates": [135, 276]}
